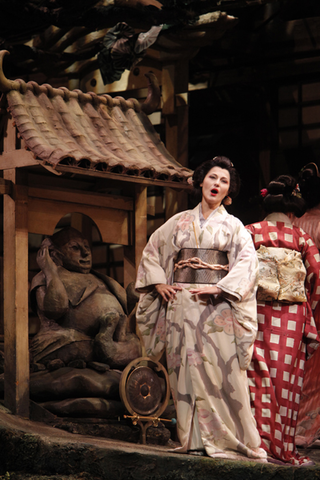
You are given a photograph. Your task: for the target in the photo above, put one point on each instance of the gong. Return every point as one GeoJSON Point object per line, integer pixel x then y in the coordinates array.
{"type": "Point", "coordinates": [144, 390]}
{"type": "Point", "coordinates": [144, 387]}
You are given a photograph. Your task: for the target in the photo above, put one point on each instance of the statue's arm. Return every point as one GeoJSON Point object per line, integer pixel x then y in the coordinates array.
{"type": "Point", "coordinates": [52, 299]}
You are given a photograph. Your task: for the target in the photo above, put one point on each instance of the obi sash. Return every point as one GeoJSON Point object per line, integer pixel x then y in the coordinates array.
{"type": "Point", "coordinates": [200, 265]}
{"type": "Point", "coordinates": [282, 275]}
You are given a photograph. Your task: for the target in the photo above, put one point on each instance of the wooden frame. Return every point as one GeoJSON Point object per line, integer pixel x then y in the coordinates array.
{"type": "Point", "coordinates": [29, 209]}
{"type": "Point", "coordinates": [121, 219]}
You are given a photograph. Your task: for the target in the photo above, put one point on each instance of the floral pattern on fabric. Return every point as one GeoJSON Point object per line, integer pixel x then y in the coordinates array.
{"type": "Point", "coordinates": [208, 341]}
{"type": "Point", "coordinates": [227, 323]}
{"type": "Point", "coordinates": [281, 275]}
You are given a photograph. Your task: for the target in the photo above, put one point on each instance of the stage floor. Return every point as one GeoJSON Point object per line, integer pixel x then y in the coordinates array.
{"type": "Point", "coordinates": [35, 451]}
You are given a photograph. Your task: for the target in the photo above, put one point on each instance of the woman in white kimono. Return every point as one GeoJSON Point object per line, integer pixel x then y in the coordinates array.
{"type": "Point", "coordinates": [197, 281]}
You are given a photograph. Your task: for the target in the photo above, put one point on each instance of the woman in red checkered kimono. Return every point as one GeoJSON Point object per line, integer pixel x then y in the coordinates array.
{"type": "Point", "coordinates": [288, 292]}
{"type": "Point", "coordinates": [308, 428]}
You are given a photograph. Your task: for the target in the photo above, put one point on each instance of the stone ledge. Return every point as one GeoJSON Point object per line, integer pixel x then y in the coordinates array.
{"type": "Point", "coordinates": [36, 451]}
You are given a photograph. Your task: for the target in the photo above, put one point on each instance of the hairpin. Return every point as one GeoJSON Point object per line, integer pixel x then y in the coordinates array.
{"type": "Point", "coordinates": [296, 191]}
{"type": "Point", "coordinates": [308, 165]}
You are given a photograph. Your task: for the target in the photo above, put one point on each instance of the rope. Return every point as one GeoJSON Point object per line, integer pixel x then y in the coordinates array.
{"type": "Point", "coordinates": [196, 263]}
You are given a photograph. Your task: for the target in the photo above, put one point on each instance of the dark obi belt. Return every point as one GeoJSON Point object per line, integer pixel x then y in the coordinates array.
{"type": "Point", "coordinates": [200, 265]}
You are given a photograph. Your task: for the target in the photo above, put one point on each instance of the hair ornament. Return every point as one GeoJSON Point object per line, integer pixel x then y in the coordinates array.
{"type": "Point", "coordinates": [263, 192]}
{"type": "Point", "coordinates": [313, 166]}
{"type": "Point", "coordinates": [296, 191]}
{"type": "Point", "coordinates": [227, 200]}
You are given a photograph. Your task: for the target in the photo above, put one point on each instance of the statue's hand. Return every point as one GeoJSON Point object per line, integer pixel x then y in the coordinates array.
{"type": "Point", "coordinates": [45, 262]}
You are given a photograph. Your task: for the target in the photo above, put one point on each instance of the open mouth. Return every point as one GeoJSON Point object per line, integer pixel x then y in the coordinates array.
{"type": "Point", "coordinates": [214, 191]}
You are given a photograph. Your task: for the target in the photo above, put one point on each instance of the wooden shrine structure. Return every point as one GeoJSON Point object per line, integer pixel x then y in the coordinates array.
{"type": "Point", "coordinates": [67, 151]}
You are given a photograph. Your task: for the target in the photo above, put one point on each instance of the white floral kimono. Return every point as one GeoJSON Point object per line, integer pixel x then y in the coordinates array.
{"type": "Point", "coordinates": [208, 341]}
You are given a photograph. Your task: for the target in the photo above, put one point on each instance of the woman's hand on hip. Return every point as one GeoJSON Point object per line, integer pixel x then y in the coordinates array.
{"type": "Point", "coordinates": [167, 292]}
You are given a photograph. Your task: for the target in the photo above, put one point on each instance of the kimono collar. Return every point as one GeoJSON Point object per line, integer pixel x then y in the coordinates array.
{"type": "Point", "coordinates": [202, 220]}
{"type": "Point", "coordinates": [278, 217]}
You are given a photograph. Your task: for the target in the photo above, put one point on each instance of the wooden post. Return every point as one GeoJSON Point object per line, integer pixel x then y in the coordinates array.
{"type": "Point", "coordinates": [175, 110]}
{"type": "Point", "coordinates": [264, 161]}
{"type": "Point", "coordinates": [138, 229]}
{"type": "Point", "coordinates": [16, 335]}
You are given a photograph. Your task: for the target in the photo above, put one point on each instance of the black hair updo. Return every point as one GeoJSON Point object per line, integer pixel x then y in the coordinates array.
{"type": "Point", "coordinates": [309, 181]}
{"type": "Point", "coordinates": [283, 196]}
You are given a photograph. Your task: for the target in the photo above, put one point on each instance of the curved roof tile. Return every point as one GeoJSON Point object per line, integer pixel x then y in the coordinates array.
{"type": "Point", "coordinates": [92, 132]}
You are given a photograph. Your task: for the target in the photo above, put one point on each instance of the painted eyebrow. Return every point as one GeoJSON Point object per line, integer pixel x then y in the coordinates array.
{"type": "Point", "coordinates": [222, 178]}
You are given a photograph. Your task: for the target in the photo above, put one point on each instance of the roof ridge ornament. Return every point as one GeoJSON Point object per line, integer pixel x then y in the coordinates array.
{"type": "Point", "coordinates": [152, 101]}
{"type": "Point", "coordinates": [150, 104]}
{"type": "Point", "coordinates": [5, 84]}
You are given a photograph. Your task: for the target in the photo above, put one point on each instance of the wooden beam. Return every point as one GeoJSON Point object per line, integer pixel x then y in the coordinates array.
{"type": "Point", "coordinates": [264, 161]}
{"type": "Point", "coordinates": [138, 228]}
{"type": "Point", "coordinates": [5, 187]}
{"type": "Point", "coordinates": [84, 198]}
{"type": "Point", "coordinates": [17, 159]}
{"type": "Point", "coordinates": [83, 224]}
{"type": "Point", "coordinates": [16, 344]}
{"type": "Point", "coordinates": [24, 158]}
{"type": "Point", "coordinates": [44, 214]}
{"type": "Point", "coordinates": [182, 186]}
{"type": "Point", "coordinates": [175, 110]}
{"type": "Point", "coordinates": [10, 135]}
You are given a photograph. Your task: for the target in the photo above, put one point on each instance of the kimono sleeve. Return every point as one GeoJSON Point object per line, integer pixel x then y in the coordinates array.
{"type": "Point", "coordinates": [155, 267]}
{"type": "Point", "coordinates": [243, 264]}
{"type": "Point", "coordinates": [310, 254]}
{"type": "Point", "coordinates": [241, 284]}
{"type": "Point", "coordinates": [311, 260]}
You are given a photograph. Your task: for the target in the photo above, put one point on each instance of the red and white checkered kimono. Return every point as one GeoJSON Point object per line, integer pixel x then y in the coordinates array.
{"type": "Point", "coordinates": [286, 336]}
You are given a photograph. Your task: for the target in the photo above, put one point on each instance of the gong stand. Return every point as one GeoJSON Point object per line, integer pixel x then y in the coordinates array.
{"type": "Point", "coordinates": [144, 390]}
{"type": "Point", "coordinates": [154, 421]}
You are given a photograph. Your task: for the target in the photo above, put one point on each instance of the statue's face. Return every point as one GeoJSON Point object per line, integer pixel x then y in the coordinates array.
{"type": "Point", "coordinates": [77, 255]}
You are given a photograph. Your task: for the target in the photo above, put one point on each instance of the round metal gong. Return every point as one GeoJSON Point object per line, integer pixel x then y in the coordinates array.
{"type": "Point", "coordinates": [144, 387]}
{"type": "Point", "coordinates": [143, 390]}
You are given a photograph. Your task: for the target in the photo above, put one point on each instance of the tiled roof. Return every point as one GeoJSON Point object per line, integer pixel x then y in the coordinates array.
{"type": "Point", "coordinates": [91, 132]}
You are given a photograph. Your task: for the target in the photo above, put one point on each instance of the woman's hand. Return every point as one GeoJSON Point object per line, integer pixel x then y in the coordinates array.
{"type": "Point", "coordinates": [206, 291]}
{"type": "Point", "coordinates": [167, 292]}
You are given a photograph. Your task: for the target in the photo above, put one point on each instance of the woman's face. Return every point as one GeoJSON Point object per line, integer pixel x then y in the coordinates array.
{"type": "Point", "coordinates": [215, 186]}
